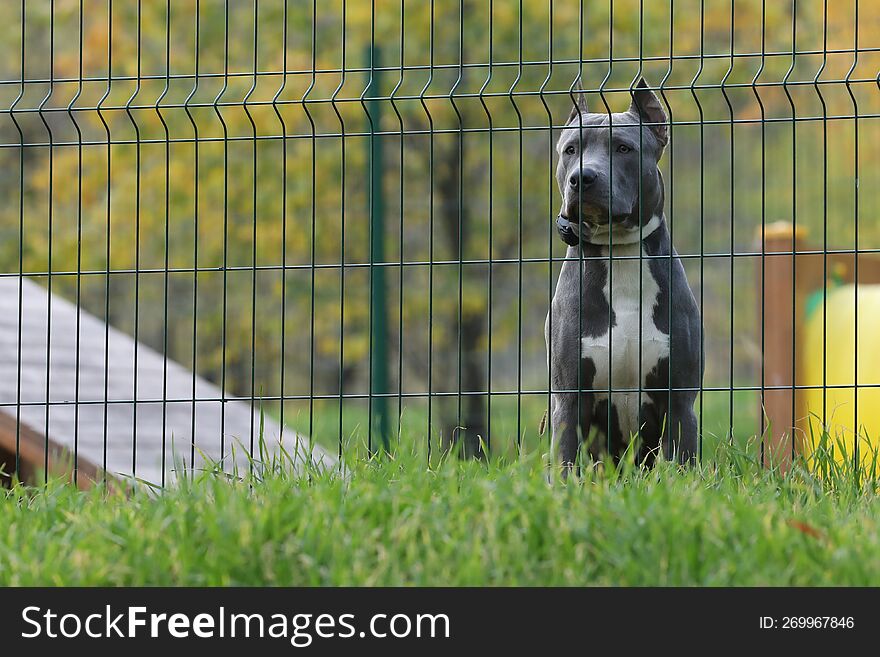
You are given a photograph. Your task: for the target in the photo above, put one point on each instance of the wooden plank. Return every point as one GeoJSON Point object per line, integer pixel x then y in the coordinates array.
{"type": "Point", "coordinates": [32, 449]}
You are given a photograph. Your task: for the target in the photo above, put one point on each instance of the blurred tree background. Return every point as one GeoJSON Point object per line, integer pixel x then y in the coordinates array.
{"type": "Point", "coordinates": [226, 201]}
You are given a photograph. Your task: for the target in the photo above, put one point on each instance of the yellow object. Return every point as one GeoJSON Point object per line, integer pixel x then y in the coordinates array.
{"type": "Point", "coordinates": [839, 416]}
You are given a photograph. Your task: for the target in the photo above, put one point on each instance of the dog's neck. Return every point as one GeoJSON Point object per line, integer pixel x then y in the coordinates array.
{"type": "Point", "coordinates": [603, 236]}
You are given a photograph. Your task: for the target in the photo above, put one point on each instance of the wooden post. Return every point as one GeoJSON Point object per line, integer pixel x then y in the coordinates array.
{"type": "Point", "coordinates": [778, 290]}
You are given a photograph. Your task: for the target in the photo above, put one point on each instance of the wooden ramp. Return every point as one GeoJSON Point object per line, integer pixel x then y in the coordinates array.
{"type": "Point", "coordinates": [102, 415]}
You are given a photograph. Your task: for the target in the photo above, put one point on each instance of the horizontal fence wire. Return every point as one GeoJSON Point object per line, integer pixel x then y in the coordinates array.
{"type": "Point", "coordinates": [239, 233]}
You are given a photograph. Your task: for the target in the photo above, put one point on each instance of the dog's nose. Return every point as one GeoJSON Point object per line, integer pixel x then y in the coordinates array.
{"type": "Point", "coordinates": [585, 177]}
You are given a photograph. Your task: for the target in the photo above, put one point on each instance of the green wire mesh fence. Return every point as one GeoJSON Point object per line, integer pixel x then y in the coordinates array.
{"type": "Point", "coordinates": [331, 226]}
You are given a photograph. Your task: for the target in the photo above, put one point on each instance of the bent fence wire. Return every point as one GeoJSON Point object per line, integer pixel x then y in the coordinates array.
{"type": "Point", "coordinates": [224, 218]}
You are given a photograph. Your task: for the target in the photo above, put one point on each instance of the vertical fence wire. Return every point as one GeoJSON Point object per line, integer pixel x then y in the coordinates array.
{"type": "Point", "coordinates": [519, 242]}
{"type": "Point", "coordinates": [20, 242]}
{"type": "Point", "coordinates": [254, 174]}
{"type": "Point", "coordinates": [195, 281]}
{"type": "Point", "coordinates": [732, 215]}
{"type": "Point", "coordinates": [671, 205]}
{"type": "Point", "coordinates": [490, 214]}
{"type": "Point", "coordinates": [548, 330]}
{"type": "Point", "coordinates": [401, 233]}
{"type": "Point", "coordinates": [640, 219]}
{"type": "Point", "coordinates": [79, 249]}
{"type": "Point", "coordinates": [372, 119]}
{"type": "Point", "coordinates": [167, 241]}
{"type": "Point", "coordinates": [108, 245]}
{"type": "Point", "coordinates": [313, 212]}
{"type": "Point", "coordinates": [702, 144]}
{"type": "Point", "coordinates": [224, 305]}
{"type": "Point", "coordinates": [283, 319]}
{"type": "Point", "coordinates": [430, 348]}
{"type": "Point", "coordinates": [460, 215]}
{"type": "Point", "coordinates": [49, 217]}
{"type": "Point", "coordinates": [824, 208]}
{"type": "Point", "coordinates": [333, 99]}
{"type": "Point", "coordinates": [763, 237]}
{"type": "Point", "coordinates": [137, 258]}
{"type": "Point", "coordinates": [856, 424]}
{"type": "Point", "coordinates": [794, 245]}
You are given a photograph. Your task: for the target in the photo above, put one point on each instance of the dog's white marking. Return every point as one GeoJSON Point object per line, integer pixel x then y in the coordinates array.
{"type": "Point", "coordinates": [629, 346]}
{"type": "Point", "coordinates": [600, 234]}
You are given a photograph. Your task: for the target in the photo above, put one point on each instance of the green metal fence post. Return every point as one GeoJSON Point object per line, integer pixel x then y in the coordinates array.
{"type": "Point", "coordinates": [378, 309]}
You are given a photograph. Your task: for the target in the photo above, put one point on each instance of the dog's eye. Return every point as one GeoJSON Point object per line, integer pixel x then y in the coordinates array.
{"type": "Point", "coordinates": [623, 148]}
{"type": "Point", "coordinates": [570, 149]}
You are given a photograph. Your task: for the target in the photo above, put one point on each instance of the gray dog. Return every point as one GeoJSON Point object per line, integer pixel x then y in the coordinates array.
{"type": "Point", "coordinates": [625, 322]}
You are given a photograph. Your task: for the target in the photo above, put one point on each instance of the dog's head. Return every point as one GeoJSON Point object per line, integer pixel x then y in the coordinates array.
{"type": "Point", "coordinates": [607, 170]}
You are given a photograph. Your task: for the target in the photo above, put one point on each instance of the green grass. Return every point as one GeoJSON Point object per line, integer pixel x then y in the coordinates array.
{"type": "Point", "coordinates": [398, 522]}
{"type": "Point", "coordinates": [510, 414]}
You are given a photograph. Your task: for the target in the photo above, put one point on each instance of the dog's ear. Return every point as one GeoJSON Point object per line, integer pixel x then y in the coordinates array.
{"type": "Point", "coordinates": [646, 105]}
{"type": "Point", "coordinates": [579, 106]}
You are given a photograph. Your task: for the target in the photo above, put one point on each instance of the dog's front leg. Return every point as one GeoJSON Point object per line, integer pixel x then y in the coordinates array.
{"type": "Point", "coordinates": [569, 408]}
{"type": "Point", "coordinates": [569, 411]}
{"type": "Point", "coordinates": [680, 441]}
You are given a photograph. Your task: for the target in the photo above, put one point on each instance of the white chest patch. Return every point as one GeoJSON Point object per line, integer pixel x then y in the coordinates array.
{"type": "Point", "coordinates": [625, 355]}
